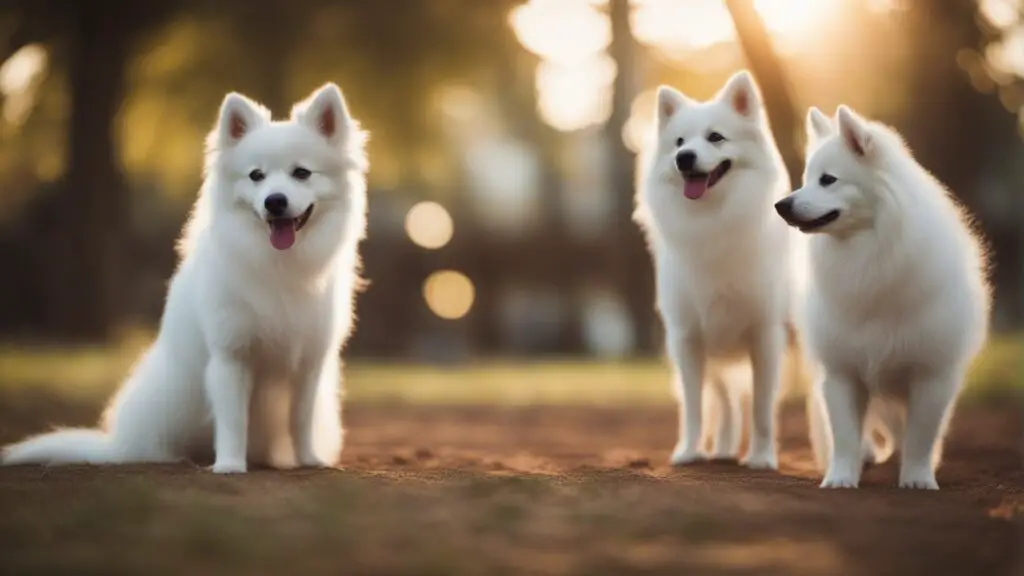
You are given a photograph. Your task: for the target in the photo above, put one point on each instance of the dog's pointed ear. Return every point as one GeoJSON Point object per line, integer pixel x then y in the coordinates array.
{"type": "Point", "coordinates": [818, 125]}
{"type": "Point", "coordinates": [238, 117]}
{"type": "Point", "coordinates": [742, 94]}
{"type": "Point", "coordinates": [855, 132]}
{"type": "Point", "coordinates": [325, 112]}
{"type": "Point", "coordinates": [670, 101]}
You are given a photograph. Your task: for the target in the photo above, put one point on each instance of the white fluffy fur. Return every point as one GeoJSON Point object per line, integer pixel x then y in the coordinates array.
{"type": "Point", "coordinates": [722, 267]}
{"type": "Point", "coordinates": [898, 300]}
{"type": "Point", "coordinates": [247, 357]}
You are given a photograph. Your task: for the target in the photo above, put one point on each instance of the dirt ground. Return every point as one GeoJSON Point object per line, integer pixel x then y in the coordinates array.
{"type": "Point", "coordinates": [540, 490]}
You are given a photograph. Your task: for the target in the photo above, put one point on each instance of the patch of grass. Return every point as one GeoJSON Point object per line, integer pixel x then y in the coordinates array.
{"type": "Point", "coordinates": [87, 372]}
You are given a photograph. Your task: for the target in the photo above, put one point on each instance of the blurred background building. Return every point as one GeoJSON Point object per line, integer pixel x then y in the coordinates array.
{"type": "Point", "coordinates": [504, 141]}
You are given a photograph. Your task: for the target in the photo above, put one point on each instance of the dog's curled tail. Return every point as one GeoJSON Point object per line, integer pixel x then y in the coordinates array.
{"type": "Point", "coordinates": [66, 446]}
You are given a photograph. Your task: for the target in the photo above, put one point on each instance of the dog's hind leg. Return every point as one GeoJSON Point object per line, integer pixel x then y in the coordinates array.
{"type": "Point", "coordinates": [928, 411]}
{"type": "Point", "coordinates": [316, 413]}
{"type": "Point", "coordinates": [766, 361]}
{"type": "Point", "coordinates": [728, 421]}
{"type": "Point", "coordinates": [846, 400]}
{"type": "Point", "coordinates": [270, 441]}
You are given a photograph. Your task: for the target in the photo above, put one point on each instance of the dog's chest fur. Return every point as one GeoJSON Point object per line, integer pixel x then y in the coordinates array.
{"type": "Point", "coordinates": [278, 325]}
{"type": "Point", "coordinates": [723, 296]}
{"type": "Point", "coordinates": [289, 330]}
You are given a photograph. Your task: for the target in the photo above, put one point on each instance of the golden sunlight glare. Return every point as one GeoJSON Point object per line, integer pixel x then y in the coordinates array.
{"type": "Point", "coordinates": [429, 225]}
{"type": "Point", "coordinates": [565, 31]}
{"type": "Point", "coordinates": [783, 17]}
{"type": "Point", "coordinates": [682, 26]}
{"type": "Point", "coordinates": [676, 26]}
{"type": "Point", "coordinates": [19, 77]}
{"type": "Point", "coordinates": [575, 75]}
{"type": "Point", "coordinates": [574, 97]}
{"type": "Point", "coordinates": [1000, 13]}
{"type": "Point", "coordinates": [449, 294]}
{"type": "Point", "coordinates": [1007, 55]}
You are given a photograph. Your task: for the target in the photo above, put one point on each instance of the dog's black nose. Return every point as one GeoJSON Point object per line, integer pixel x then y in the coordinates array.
{"type": "Point", "coordinates": [685, 161]}
{"type": "Point", "coordinates": [276, 204]}
{"type": "Point", "coordinates": [785, 208]}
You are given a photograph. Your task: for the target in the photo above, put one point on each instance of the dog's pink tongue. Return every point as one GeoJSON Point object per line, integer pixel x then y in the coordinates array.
{"type": "Point", "coordinates": [282, 233]}
{"type": "Point", "coordinates": [694, 189]}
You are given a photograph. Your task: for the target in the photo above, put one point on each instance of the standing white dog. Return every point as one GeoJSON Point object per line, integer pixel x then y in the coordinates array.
{"type": "Point", "coordinates": [722, 262]}
{"type": "Point", "coordinates": [898, 300]}
{"type": "Point", "coordinates": [258, 309]}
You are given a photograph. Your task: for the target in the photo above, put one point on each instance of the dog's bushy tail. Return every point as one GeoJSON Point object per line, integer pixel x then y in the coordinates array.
{"type": "Point", "coordinates": [67, 446]}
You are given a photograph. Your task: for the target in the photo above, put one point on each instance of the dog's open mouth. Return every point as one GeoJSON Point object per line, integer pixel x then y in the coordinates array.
{"type": "Point", "coordinates": [697, 183]}
{"type": "Point", "coordinates": [282, 230]}
{"type": "Point", "coordinates": [823, 220]}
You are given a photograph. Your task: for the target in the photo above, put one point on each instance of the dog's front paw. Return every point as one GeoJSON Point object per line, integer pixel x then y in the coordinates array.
{"type": "Point", "coordinates": [835, 479]}
{"type": "Point", "coordinates": [838, 482]}
{"type": "Point", "coordinates": [922, 478]}
{"type": "Point", "coordinates": [762, 460]}
{"type": "Point", "coordinates": [843, 473]}
{"type": "Point", "coordinates": [683, 456]}
{"type": "Point", "coordinates": [229, 467]}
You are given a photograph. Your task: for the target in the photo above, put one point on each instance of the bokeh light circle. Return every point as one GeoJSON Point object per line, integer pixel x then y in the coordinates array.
{"type": "Point", "coordinates": [449, 294]}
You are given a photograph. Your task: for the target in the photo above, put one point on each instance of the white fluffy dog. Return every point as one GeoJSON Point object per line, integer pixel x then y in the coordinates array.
{"type": "Point", "coordinates": [722, 263]}
{"type": "Point", "coordinates": [898, 299]}
{"type": "Point", "coordinates": [247, 356]}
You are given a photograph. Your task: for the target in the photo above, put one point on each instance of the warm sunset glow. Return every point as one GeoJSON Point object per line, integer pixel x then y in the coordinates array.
{"type": "Point", "coordinates": [449, 294]}
{"type": "Point", "coordinates": [577, 96]}
{"type": "Point", "coordinates": [1000, 13]}
{"type": "Point", "coordinates": [19, 77]}
{"type": "Point", "coordinates": [698, 24]}
{"type": "Point", "coordinates": [1007, 55]}
{"type": "Point", "coordinates": [574, 78]}
{"type": "Point", "coordinates": [575, 75]}
{"type": "Point", "coordinates": [792, 16]}
{"type": "Point", "coordinates": [681, 26]}
{"type": "Point", "coordinates": [564, 31]}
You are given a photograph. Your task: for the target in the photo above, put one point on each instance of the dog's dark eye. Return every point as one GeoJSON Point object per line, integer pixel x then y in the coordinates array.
{"type": "Point", "coordinates": [827, 180]}
{"type": "Point", "coordinates": [257, 175]}
{"type": "Point", "coordinates": [300, 173]}
{"type": "Point", "coordinates": [679, 142]}
{"type": "Point", "coordinates": [715, 138]}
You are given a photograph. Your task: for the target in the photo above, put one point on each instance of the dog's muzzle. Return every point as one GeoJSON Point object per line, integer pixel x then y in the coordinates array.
{"type": "Point", "coordinates": [785, 209]}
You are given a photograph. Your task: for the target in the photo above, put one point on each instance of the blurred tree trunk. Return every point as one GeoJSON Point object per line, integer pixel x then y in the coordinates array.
{"type": "Point", "coordinates": [771, 77]}
{"type": "Point", "coordinates": [85, 267]}
{"type": "Point", "coordinates": [632, 265]}
{"type": "Point", "coordinates": [965, 135]}
{"type": "Point", "coordinates": [941, 91]}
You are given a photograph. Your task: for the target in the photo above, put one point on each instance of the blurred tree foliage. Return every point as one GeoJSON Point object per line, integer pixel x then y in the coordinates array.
{"type": "Point", "coordinates": [98, 175]}
{"type": "Point", "coordinates": [136, 85]}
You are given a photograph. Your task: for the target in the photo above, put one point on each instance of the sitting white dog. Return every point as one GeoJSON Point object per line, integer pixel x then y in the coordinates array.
{"type": "Point", "coordinates": [898, 299]}
{"type": "Point", "coordinates": [247, 356]}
